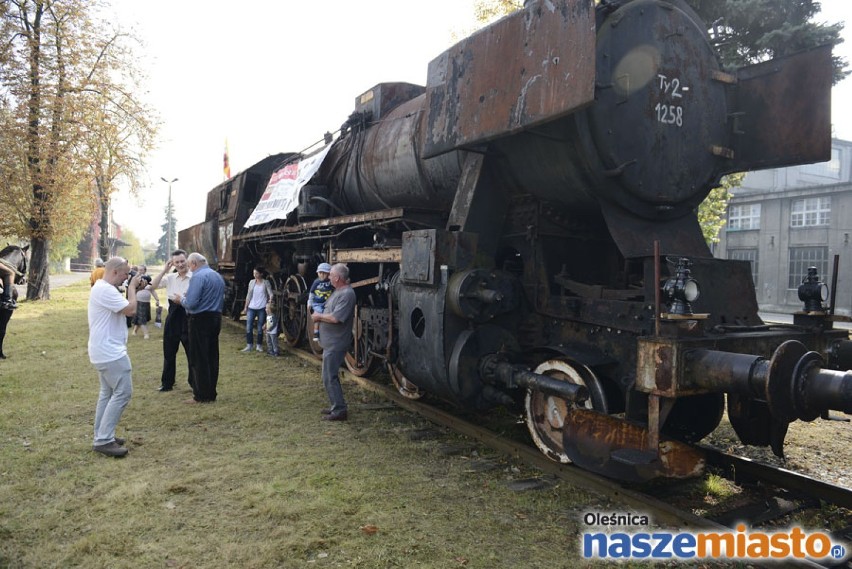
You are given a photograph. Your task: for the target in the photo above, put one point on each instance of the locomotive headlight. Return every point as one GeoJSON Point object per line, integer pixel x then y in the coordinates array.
{"type": "Point", "coordinates": [681, 289]}
{"type": "Point", "coordinates": [691, 290]}
{"type": "Point", "coordinates": [813, 292]}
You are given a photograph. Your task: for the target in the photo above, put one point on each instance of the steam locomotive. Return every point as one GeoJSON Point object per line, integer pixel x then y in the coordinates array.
{"type": "Point", "coordinates": [521, 231]}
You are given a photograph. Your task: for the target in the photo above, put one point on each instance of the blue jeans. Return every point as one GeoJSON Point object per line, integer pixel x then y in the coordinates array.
{"type": "Point", "coordinates": [253, 314]}
{"type": "Point", "coordinates": [331, 362]}
{"type": "Point", "coordinates": [116, 390]}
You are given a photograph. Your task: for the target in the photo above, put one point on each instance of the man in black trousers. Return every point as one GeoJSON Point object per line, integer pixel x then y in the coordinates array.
{"type": "Point", "coordinates": [176, 330]}
{"type": "Point", "coordinates": [204, 301]}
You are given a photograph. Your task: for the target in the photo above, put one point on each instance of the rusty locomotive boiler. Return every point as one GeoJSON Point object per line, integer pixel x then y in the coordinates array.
{"type": "Point", "coordinates": [521, 231]}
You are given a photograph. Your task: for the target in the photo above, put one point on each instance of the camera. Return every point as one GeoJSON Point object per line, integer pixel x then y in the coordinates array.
{"type": "Point", "coordinates": [132, 274]}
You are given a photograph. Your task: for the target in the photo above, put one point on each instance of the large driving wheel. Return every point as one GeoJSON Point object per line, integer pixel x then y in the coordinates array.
{"type": "Point", "coordinates": [293, 309]}
{"type": "Point", "coordinates": [360, 359]}
{"type": "Point", "coordinates": [405, 387]}
{"type": "Point", "coordinates": [545, 414]}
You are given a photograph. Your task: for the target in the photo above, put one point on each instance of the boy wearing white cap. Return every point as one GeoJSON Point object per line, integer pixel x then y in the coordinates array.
{"type": "Point", "coordinates": [319, 293]}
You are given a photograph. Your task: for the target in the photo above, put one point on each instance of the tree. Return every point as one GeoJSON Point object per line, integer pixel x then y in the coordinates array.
{"type": "Point", "coordinates": [168, 241]}
{"type": "Point", "coordinates": [711, 212]}
{"type": "Point", "coordinates": [486, 11]}
{"type": "Point", "coordinates": [748, 31]}
{"type": "Point", "coordinates": [133, 251]}
{"type": "Point", "coordinates": [72, 128]}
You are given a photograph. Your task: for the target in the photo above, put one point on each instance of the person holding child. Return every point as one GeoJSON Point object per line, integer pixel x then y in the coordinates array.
{"type": "Point", "coordinates": [320, 290]}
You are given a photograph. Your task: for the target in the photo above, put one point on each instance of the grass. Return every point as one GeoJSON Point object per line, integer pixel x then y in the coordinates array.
{"type": "Point", "coordinates": [252, 481]}
{"type": "Point", "coordinates": [718, 487]}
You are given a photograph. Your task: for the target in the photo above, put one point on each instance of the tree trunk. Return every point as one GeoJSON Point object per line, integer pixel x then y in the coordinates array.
{"type": "Point", "coordinates": [103, 240]}
{"type": "Point", "coordinates": [38, 285]}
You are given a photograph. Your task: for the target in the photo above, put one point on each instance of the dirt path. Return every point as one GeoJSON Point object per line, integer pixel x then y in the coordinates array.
{"type": "Point", "coordinates": [57, 281]}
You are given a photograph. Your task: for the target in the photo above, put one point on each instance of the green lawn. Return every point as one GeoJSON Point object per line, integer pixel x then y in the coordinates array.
{"type": "Point", "coordinates": [253, 480]}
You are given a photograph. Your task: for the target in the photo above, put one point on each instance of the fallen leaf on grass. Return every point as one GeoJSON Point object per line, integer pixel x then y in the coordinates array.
{"type": "Point", "coordinates": [369, 529]}
{"type": "Point", "coordinates": [461, 560]}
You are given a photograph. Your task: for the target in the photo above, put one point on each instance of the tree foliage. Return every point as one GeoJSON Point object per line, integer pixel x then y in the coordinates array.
{"type": "Point", "coordinates": [748, 31]}
{"type": "Point", "coordinates": [72, 130]}
{"type": "Point", "coordinates": [711, 212]}
{"type": "Point", "coordinates": [168, 241]}
{"type": "Point", "coordinates": [486, 11]}
{"type": "Point", "coordinates": [133, 251]}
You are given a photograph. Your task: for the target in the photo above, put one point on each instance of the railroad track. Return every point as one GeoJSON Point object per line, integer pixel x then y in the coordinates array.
{"type": "Point", "coordinates": [774, 492]}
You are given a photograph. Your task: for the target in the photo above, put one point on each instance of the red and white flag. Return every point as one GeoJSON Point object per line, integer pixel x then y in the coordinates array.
{"type": "Point", "coordinates": [227, 165]}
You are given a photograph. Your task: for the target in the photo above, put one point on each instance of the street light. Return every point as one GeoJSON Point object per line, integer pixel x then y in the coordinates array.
{"type": "Point", "coordinates": [169, 215]}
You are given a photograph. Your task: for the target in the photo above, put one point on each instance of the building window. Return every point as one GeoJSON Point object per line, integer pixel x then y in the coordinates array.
{"type": "Point", "coordinates": [745, 216]}
{"type": "Point", "coordinates": [811, 211]}
{"type": "Point", "coordinates": [830, 169]}
{"type": "Point", "coordinates": [803, 257]}
{"type": "Point", "coordinates": [749, 255]}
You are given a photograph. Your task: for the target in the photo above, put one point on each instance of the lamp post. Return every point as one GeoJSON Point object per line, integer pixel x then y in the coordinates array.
{"type": "Point", "coordinates": [169, 215]}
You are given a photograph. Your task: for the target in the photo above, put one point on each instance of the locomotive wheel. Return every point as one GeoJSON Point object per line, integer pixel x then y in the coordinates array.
{"type": "Point", "coordinates": [360, 360]}
{"type": "Point", "coordinates": [545, 414]}
{"type": "Point", "coordinates": [405, 387]}
{"type": "Point", "coordinates": [293, 309]}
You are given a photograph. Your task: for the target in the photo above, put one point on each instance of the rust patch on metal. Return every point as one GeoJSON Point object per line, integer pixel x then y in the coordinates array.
{"type": "Point", "coordinates": [530, 67]}
{"type": "Point", "coordinates": [797, 88]}
{"type": "Point", "coordinates": [389, 255]}
{"type": "Point", "coordinates": [603, 444]}
{"type": "Point", "coordinates": [663, 371]}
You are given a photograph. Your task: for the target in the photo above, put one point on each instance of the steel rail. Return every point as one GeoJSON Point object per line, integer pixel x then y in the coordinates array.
{"type": "Point", "coordinates": [658, 510]}
{"type": "Point", "coordinates": [747, 469]}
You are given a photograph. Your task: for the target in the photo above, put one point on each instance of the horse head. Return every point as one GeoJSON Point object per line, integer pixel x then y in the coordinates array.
{"type": "Point", "coordinates": [17, 258]}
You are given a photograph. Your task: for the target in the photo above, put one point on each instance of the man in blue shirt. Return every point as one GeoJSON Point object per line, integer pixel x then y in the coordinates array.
{"type": "Point", "coordinates": [203, 302]}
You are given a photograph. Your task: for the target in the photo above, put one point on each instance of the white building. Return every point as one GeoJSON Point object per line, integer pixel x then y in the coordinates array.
{"type": "Point", "coordinates": [788, 219]}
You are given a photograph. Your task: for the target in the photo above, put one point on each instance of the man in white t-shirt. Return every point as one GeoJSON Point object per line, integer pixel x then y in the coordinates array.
{"type": "Point", "coordinates": [108, 352]}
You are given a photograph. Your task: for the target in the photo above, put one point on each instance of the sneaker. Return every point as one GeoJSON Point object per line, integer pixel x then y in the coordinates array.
{"type": "Point", "coordinates": [247, 348]}
{"type": "Point", "coordinates": [119, 441]}
{"type": "Point", "coordinates": [110, 449]}
{"type": "Point", "coordinates": [258, 348]}
{"type": "Point", "coordinates": [9, 304]}
{"type": "Point", "coordinates": [316, 335]}
{"type": "Point", "coordinates": [147, 336]}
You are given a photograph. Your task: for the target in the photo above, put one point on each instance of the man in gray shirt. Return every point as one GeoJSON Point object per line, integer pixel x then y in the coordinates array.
{"type": "Point", "coordinates": [335, 338]}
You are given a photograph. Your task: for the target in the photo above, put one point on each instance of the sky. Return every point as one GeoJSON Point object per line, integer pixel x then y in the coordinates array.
{"type": "Point", "coordinates": [267, 75]}
{"type": "Point", "coordinates": [272, 76]}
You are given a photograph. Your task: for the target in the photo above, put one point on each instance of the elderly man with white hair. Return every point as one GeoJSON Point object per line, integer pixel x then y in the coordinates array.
{"type": "Point", "coordinates": [203, 302]}
{"type": "Point", "coordinates": [335, 337]}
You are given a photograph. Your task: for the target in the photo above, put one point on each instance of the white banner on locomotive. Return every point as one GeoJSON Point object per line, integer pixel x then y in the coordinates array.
{"type": "Point", "coordinates": [282, 194]}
